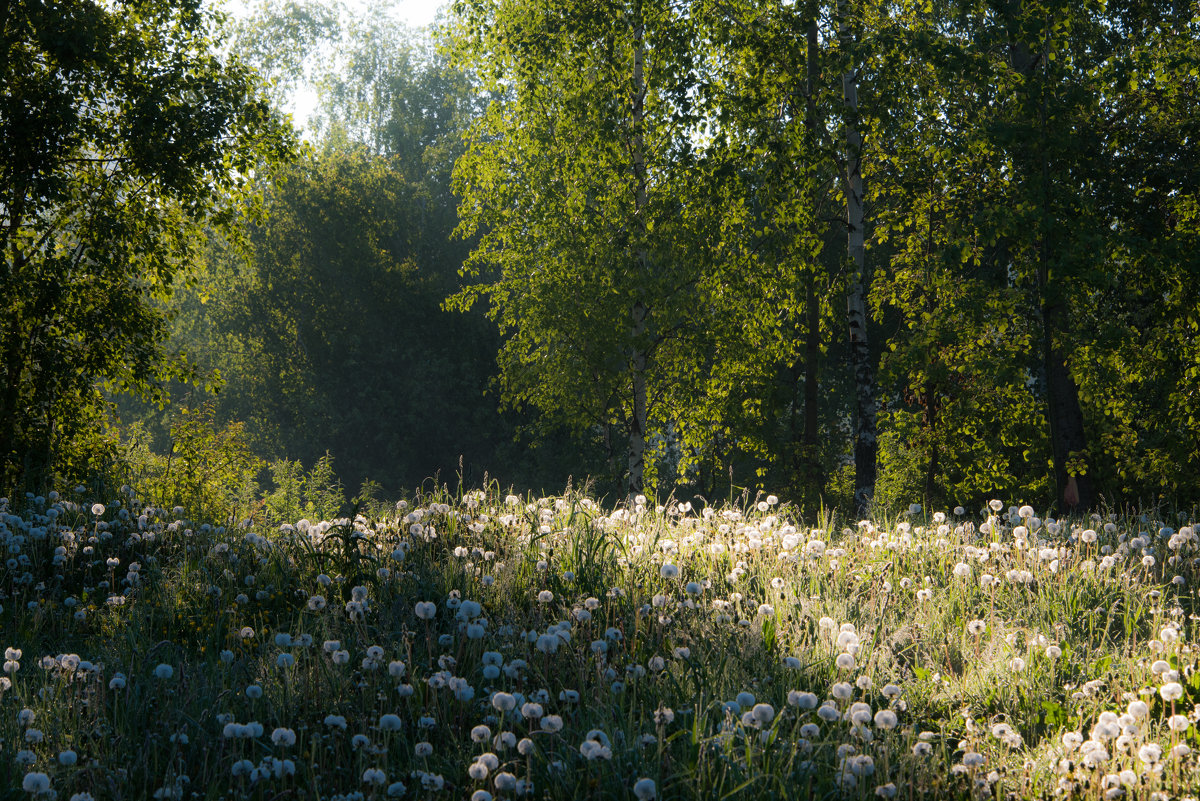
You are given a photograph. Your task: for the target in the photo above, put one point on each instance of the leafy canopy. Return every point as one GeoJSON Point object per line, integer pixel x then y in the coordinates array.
{"type": "Point", "coordinates": [123, 131]}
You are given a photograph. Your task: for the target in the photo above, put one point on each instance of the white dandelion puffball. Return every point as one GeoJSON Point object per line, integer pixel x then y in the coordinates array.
{"type": "Point", "coordinates": [36, 783]}
{"type": "Point", "coordinates": [283, 737]}
{"type": "Point", "coordinates": [763, 713]}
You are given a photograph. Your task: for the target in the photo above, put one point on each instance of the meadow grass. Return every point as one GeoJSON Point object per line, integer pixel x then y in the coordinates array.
{"type": "Point", "coordinates": [484, 645]}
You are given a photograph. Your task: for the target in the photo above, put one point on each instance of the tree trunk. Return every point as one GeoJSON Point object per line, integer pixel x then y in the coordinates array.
{"type": "Point", "coordinates": [1068, 438]}
{"type": "Point", "coordinates": [930, 405]}
{"type": "Point", "coordinates": [865, 446]}
{"type": "Point", "coordinates": [637, 421]}
{"type": "Point", "coordinates": [814, 480]}
{"type": "Point", "coordinates": [638, 312]}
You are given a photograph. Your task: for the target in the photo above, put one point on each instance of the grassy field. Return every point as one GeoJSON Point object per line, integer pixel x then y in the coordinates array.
{"type": "Point", "coordinates": [484, 646]}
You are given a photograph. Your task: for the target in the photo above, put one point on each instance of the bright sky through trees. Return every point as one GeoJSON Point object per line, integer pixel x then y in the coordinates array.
{"type": "Point", "coordinates": [414, 13]}
{"type": "Point", "coordinates": [410, 12]}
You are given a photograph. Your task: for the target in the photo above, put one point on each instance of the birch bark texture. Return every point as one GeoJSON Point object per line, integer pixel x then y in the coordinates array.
{"type": "Point", "coordinates": [857, 317]}
{"type": "Point", "coordinates": [636, 472]}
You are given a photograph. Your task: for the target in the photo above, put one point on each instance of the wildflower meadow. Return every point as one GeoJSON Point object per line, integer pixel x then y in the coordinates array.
{"type": "Point", "coordinates": [482, 645]}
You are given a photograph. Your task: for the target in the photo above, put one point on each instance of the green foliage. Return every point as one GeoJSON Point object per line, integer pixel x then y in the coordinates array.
{"type": "Point", "coordinates": [322, 325]}
{"type": "Point", "coordinates": [328, 335]}
{"type": "Point", "coordinates": [286, 501]}
{"type": "Point", "coordinates": [122, 131]}
{"type": "Point", "coordinates": [315, 495]}
{"type": "Point", "coordinates": [655, 249]}
{"type": "Point", "coordinates": [608, 221]}
{"type": "Point", "coordinates": [1019, 231]}
{"type": "Point", "coordinates": [323, 491]}
{"type": "Point", "coordinates": [207, 467]}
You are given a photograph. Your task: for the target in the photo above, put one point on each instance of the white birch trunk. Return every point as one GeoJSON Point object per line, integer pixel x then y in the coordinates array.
{"type": "Point", "coordinates": [865, 448]}
{"type": "Point", "coordinates": [639, 312]}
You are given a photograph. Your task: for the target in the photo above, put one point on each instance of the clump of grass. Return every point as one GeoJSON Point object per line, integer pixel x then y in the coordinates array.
{"type": "Point", "coordinates": [483, 644]}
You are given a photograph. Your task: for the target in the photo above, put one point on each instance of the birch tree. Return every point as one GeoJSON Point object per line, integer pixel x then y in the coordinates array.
{"type": "Point", "coordinates": [1028, 159]}
{"type": "Point", "coordinates": [575, 180]}
{"type": "Point", "coordinates": [857, 317]}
